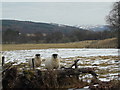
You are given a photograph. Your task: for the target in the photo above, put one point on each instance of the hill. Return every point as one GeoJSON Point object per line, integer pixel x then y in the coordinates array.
{"type": "Point", "coordinates": [14, 31]}
{"type": "Point", "coordinates": [96, 27]}
{"type": "Point", "coordinates": [32, 27]}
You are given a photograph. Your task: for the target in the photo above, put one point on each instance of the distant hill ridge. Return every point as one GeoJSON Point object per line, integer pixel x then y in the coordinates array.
{"type": "Point", "coordinates": [32, 27]}
{"type": "Point", "coordinates": [14, 31]}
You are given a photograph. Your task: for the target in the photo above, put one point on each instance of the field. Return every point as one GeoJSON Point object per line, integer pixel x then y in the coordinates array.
{"type": "Point", "coordinates": [104, 61]}
{"type": "Point", "coordinates": [107, 43]}
{"type": "Point", "coordinates": [100, 55]}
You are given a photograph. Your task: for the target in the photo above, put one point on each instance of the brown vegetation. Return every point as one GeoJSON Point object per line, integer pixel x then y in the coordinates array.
{"type": "Point", "coordinates": [107, 43]}
{"type": "Point", "coordinates": [63, 78]}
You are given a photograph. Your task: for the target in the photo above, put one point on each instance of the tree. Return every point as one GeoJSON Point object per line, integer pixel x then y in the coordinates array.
{"type": "Point", "coordinates": [38, 37]}
{"type": "Point", "coordinates": [114, 16]}
{"type": "Point", "coordinates": [54, 37]}
{"type": "Point", "coordinates": [114, 19]}
{"type": "Point", "coordinates": [10, 36]}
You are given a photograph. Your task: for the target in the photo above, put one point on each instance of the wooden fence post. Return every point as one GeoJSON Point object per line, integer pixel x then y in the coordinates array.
{"type": "Point", "coordinates": [33, 64]}
{"type": "Point", "coordinates": [3, 60]}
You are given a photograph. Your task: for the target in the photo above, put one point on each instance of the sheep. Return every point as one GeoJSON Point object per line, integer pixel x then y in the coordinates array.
{"type": "Point", "coordinates": [35, 61]}
{"type": "Point", "coordinates": [53, 62]}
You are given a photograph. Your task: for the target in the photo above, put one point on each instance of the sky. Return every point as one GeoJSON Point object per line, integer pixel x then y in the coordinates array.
{"type": "Point", "coordinates": [68, 13]}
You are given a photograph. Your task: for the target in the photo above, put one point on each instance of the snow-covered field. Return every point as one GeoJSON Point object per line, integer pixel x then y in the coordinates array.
{"type": "Point", "coordinates": [21, 55]}
{"type": "Point", "coordinates": [105, 61]}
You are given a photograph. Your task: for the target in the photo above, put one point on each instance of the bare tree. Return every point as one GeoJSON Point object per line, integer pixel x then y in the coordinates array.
{"type": "Point", "coordinates": [114, 19]}
{"type": "Point", "coordinates": [114, 16]}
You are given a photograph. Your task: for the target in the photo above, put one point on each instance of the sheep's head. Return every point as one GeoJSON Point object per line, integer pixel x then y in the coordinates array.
{"type": "Point", "coordinates": [37, 55]}
{"type": "Point", "coordinates": [55, 56]}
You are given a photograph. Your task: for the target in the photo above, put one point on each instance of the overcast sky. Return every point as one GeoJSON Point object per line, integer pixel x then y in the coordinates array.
{"type": "Point", "coordinates": [74, 13]}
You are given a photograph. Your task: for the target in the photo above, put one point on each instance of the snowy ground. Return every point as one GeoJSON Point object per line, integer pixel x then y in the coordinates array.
{"type": "Point", "coordinates": [21, 55]}
{"type": "Point", "coordinates": [105, 61]}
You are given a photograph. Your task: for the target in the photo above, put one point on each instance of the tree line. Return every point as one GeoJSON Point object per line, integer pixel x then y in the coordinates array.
{"type": "Point", "coordinates": [12, 36]}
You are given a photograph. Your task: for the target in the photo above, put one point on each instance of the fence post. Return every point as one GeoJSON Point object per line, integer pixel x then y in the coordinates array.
{"type": "Point", "coordinates": [33, 64]}
{"type": "Point", "coordinates": [3, 60]}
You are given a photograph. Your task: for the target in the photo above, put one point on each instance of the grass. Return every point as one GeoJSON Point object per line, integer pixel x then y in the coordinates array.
{"type": "Point", "coordinates": [67, 82]}
{"type": "Point", "coordinates": [107, 43]}
{"type": "Point", "coordinates": [98, 70]}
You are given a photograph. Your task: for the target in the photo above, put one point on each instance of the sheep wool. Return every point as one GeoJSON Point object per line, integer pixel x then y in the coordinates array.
{"type": "Point", "coordinates": [53, 62]}
{"type": "Point", "coordinates": [37, 60]}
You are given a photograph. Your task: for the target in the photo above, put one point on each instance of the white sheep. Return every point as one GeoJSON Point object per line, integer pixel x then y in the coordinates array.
{"type": "Point", "coordinates": [35, 61]}
{"type": "Point", "coordinates": [53, 62]}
